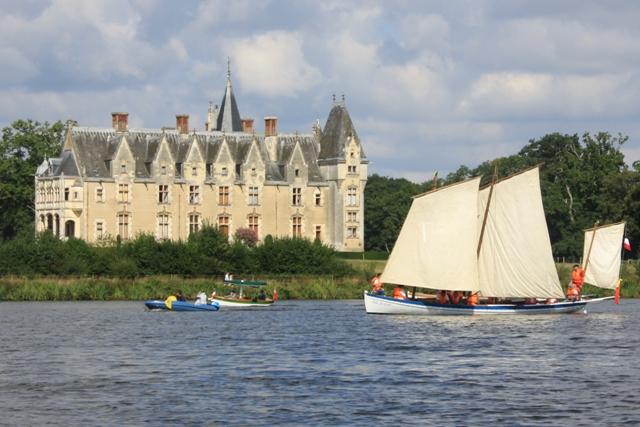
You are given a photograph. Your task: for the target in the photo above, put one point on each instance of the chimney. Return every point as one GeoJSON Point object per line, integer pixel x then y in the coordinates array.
{"type": "Point", "coordinates": [247, 125]}
{"type": "Point", "coordinates": [270, 126]}
{"type": "Point", "coordinates": [120, 121]}
{"type": "Point", "coordinates": [182, 123]}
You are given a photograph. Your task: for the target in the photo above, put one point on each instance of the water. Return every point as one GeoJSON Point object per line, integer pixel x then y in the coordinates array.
{"type": "Point", "coordinates": [315, 363]}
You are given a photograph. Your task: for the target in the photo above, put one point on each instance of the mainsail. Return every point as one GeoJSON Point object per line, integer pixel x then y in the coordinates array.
{"type": "Point", "coordinates": [602, 255]}
{"type": "Point", "coordinates": [515, 257]}
{"type": "Point", "coordinates": [437, 244]}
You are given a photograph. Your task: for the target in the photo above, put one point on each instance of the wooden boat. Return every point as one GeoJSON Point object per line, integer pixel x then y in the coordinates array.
{"type": "Point", "coordinates": [241, 301]}
{"type": "Point", "coordinates": [492, 242]}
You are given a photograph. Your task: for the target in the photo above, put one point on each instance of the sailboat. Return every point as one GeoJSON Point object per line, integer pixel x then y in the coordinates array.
{"type": "Point", "coordinates": [492, 241]}
{"type": "Point", "coordinates": [601, 255]}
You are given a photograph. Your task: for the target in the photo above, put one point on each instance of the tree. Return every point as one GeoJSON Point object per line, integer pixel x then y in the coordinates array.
{"type": "Point", "coordinates": [24, 145]}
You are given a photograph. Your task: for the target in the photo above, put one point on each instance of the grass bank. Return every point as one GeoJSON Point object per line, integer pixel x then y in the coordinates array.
{"type": "Point", "coordinates": [159, 287]}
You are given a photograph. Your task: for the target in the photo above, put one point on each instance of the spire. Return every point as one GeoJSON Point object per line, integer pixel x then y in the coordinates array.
{"type": "Point", "coordinates": [336, 134]}
{"type": "Point", "coordinates": [228, 119]}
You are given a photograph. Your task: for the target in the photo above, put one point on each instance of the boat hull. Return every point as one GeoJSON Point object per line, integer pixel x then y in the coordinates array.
{"type": "Point", "coordinates": [241, 304]}
{"type": "Point", "coordinates": [181, 306]}
{"type": "Point", "coordinates": [378, 304]}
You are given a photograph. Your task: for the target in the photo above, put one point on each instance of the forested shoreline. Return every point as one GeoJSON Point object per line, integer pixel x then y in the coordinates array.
{"type": "Point", "coordinates": [584, 180]}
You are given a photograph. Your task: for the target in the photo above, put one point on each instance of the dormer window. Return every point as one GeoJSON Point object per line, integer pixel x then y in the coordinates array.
{"type": "Point", "coordinates": [123, 167]}
{"type": "Point", "coordinates": [194, 171]}
{"type": "Point", "coordinates": [163, 170]}
{"type": "Point", "coordinates": [224, 172]}
{"type": "Point", "coordinates": [297, 172]}
{"type": "Point", "coordinates": [351, 169]}
{"type": "Point", "coordinates": [253, 172]}
{"type": "Point", "coordinates": [353, 155]}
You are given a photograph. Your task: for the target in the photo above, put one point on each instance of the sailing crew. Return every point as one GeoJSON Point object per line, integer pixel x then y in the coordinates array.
{"type": "Point", "coordinates": [377, 285]}
{"type": "Point", "coordinates": [577, 278]}
{"type": "Point", "coordinates": [573, 293]}
{"type": "Point", "coordinates": [399, 293]}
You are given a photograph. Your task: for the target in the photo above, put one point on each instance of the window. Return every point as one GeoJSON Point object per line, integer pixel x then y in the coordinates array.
{"type": "Point", "coordinates": [352, 216]}
{"type": "Point", "coordinates": [223, 225]}
{"type": "Point", "coordinates": [194, 223]}
{"type": "Point", "coordinates": [163, 226]}
{"type": "Point", "coordinates": [178, 170]}
{"type": "Point", "coordinates": [253, 223]}
{"type": "Point", "coordinates": [194, 194]}
{"type": "Point", "coordinates": [296, 199]}
{"type": "Point", "coordinates": [352, 196]}
{"type": "Point", "coordinates": [100, 194]}
{"type": "Point", "coordinates": [224, 172]}
{"type": "Point", "coordinates": [75, 195]}
{"type": "Point", "coordinates": [296, 230]}
{"type": "Point", "coordinates": [223, 195]}
{"type": "Point", "coordinates": [353, 154]}
{"type": "Point", "coordinates": [123, 193]}
{"type": "Point", "coordinates": [297, 172]}
{"type": "Point", "coordinates": [253, 172]}
{"type": "Point", "coordinates": [123, 225]}
{"type": "Point", "coordinates": [351, 169]}
{"type": "Point", "coordinates": [123, 167]}
{"type": "Point", "coordinates": [352, 232]}
{"type": "Point", "coordinates": [194, 171]}
{"type": "Point", "coordinates": [66, 194]}
{"type": "Point", "coordinates": [99, 230]}
{"type": "Point", "coordinates": [209, 170]}
{"type": "Point", "coordinates": [163, 169]}
{"type": "Point", "coordinates": [318, 232]}
{"type": "Point", "coordinates": [163, 194]}
{"type": "Point", "coordinates": [318, 198]}
{"type": "Point", "coordinates": [253, 196]}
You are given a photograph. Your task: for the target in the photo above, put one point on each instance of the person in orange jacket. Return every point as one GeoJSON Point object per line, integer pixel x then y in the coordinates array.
{"type": "Point", "coordinates": [455, 297]}
{"type": "Point", "coordinates": [399, 293]}
{"type": "Point", "coordinates": [473, 299]}
{"type": "Point", "coordinates": [443, 297]}
{"type": "Point", "coordinates": [577, 278]}
{"type": "Point", "coordinates": [573, 293]}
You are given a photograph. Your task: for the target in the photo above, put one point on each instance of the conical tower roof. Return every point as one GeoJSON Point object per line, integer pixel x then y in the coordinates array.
{"type": "Point", "coordinates": [229, 116]}
{"type": "Point", "coordinates": [337, 130]}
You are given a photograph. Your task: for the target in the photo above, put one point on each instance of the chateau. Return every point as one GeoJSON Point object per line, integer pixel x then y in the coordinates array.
{"type": "Point", "coordinates": [121, 181]}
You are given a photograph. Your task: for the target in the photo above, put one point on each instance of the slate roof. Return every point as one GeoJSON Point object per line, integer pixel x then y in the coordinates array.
{"type": "Point", "coordinates": [338, 128]}
{"type": "Point", "coordinates": [229, 115]}
{"type": "Point", "coordinates": [95, 148]}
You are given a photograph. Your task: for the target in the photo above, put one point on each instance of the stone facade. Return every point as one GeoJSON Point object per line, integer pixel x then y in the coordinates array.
{"type": "Point", "coordinates": [119, 181]}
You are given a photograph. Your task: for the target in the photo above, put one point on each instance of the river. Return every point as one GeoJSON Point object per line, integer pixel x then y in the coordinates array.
{"type": "Point", "coordinates": [315, 363]}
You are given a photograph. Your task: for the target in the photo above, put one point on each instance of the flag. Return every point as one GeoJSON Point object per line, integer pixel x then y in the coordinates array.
{"type": "Point", "coordinates": [627, 244]}
{"type": "Point", "coordinates": [616, 297]}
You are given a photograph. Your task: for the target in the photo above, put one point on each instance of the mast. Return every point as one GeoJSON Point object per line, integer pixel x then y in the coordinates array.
{"type": "Point", "coordinates": [593, 237]}
{"type": "Point", "coordinates": [486, 210]}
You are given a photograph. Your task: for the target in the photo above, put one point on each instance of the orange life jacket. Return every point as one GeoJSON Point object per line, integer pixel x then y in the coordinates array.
{"type": "Point", "coordinates": [398, 293]}
{"type": "Point", "coordinates": [473, 299]}
{"type": "Point", "coordinates": [572, 292]}
{"type": "Point", "coordinates": [577, 277]}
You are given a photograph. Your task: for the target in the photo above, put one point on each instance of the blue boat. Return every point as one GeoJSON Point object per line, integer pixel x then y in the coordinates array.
{"type": "Point", "coordinates": [181, 306]}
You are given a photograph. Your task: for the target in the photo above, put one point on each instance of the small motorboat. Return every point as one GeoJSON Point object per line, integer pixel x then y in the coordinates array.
{"type": "Point", "coordinates": [240, 300]}
{"type": "Point", "coordinates": [172, 304]}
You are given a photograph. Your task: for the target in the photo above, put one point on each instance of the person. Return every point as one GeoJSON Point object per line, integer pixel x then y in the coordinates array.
{"type": "Point", "coordinates": [455, 297]}
{"type": "Point", "coordinates": [573, 294]}
{"type": "Point", "coordinates": [262, 295]}
{"type": "Point", "coordinates": [530, 301]}
{"type": "Point", "coordinates": [213, 295]}
{"type": "Point", "coordinates": [180, 296]}
{"type": "Point", "coordinates": [443, 298]}
{"type": "Point", "coordinates": [473, 299]}
{"type": "Point", "coordinates": [377, 285]}
{"type": "Point", "coordinates": [399, 293]}
{"type": "Point", "coordinates": [550, 301]}
{"type": "Point", "coordinates": [577, 278]}
{"type": "Point", "coordinates": [201, 298]}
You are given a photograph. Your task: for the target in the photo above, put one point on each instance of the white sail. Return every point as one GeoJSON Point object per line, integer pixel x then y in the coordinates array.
{"type": "Point", "coordinates": [603, 262]}
{"type": "Point", "coordinates": [515, 257]}
{"type": "Point", "coordinates": [437, 244]}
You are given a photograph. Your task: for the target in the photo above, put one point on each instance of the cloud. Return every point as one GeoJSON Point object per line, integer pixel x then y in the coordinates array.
{"type": "Point", "coordinates": [273, 64]}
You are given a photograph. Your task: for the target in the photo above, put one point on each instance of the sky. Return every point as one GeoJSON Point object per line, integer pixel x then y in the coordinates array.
{"type": "Point", "coordinates": [429, 85]}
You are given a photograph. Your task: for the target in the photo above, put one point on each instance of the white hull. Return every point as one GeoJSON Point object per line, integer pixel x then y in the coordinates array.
{"type": "Point", "coordinates": [238, 304]}
{"type": "Point", "coordinates": [376, 304]}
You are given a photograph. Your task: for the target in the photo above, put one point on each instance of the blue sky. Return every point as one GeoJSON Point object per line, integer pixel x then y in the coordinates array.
{"type": "Point", "coordinates": [430, 85]}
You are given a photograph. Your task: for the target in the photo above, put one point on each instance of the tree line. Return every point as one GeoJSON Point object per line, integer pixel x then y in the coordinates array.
{"type": "Point", "coordinates": [584, 179]}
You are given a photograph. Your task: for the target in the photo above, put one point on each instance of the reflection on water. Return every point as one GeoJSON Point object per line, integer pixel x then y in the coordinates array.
{"type": "Point", "coordinates": [315, 363]}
